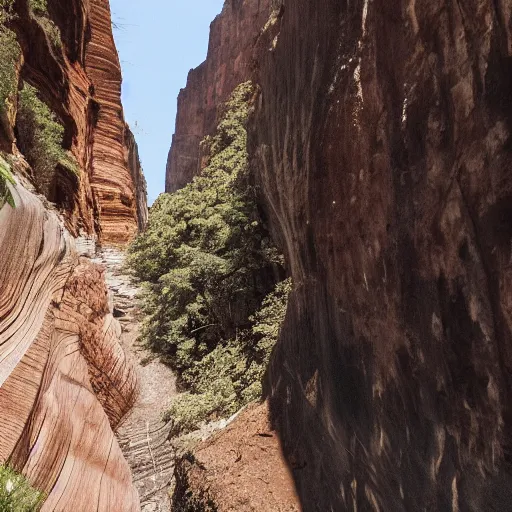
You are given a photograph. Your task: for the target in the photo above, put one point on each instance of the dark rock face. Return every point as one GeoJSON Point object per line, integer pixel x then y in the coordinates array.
{"type": "Point", "coordinates": [232, 37]}
{"type": "Point", "coordinates": [382, 144]}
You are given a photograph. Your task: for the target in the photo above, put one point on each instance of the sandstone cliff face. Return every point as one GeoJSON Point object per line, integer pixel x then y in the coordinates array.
{"type": "Point", "coordinates": [228, 64]}
{"type": "Point", "coordinates": [64, 380]}
{"type": "Point", "coordinates": [81, 80]}
{"type": "Point", "coordinates": [382, 143]}
{"type": "Point", "coordinates": [122, 207]}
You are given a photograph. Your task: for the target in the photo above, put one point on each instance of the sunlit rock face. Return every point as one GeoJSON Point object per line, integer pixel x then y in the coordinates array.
{"type": "Point", "coordinates": [382, 143]}
{"type": "Point", "coordinates": [229, 62]}
{"type": "Point", "coordinates": [121, 206]}
{"type": "Point", "coordinates": [80, 79]}
{"type": "Point", "coordinates": [65, 381]}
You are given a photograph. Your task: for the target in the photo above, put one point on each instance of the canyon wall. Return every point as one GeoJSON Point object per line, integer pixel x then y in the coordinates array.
{"type": "Point", "coordinates": [65, 382]}
{"type": "Point", "coordinates": [381, 147]}
{"type": "Point", "coordinates": [228, 63]}
{"type": "Point", "coordinates": [79, 77]}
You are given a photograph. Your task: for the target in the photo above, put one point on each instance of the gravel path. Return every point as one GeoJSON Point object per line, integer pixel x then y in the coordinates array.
{"type": "Point", "coordinates": [142, 435]}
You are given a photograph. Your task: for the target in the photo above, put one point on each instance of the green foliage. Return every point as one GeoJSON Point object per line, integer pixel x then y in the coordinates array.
{"type": "Point", "coordinates": [10, 52]}
{"type": "Point", "coordinates": [16, 494]}
{"type": "Point", "coordinates": [40, 136]}
{"type": "Point", "coordinates": [39, 9]}
{"type": "Point", "coordinates": [230, 376]}
{"type": "Point", "coordinates": [206, 263]}
{"type": "Point", "coordinates": [5, 179]}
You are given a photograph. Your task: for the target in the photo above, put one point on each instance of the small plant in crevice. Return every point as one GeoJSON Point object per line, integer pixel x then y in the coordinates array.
{"type": "Point", "coordinates": [39, 11]}
{"type": "Point", "coordinates": [40, 137]}
{"type": "Point", "coordinates": [6, 178]}
{"type": "Point", "coordinates": [16, 494]}
{"type": "Point", "coordinates": [207, 263]}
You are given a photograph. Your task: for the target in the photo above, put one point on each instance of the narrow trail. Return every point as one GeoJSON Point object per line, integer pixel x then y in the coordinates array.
{"type": "Point", "coordinates": [142, 435]}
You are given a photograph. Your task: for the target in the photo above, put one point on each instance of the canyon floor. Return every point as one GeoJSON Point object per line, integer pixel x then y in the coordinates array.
{"type": "Point", "coordinates": [143, 436]}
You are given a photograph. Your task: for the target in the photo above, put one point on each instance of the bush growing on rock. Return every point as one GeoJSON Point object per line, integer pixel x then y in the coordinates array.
{"type": "Point", "coordinates": [10, 53]}
{"type": "Point", "coordinates": [16, 494]}
{"type": "Point", "coordinates": [6, 178]}
{"type": "Point", "coordinates": [39, 10]}
{"type": "Point", "coordinates": [40, 136]}
{"type": "Point", "coordinates": [207, 263]}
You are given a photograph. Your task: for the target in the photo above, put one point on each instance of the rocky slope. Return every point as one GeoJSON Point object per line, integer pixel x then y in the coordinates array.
{"type": "Point", "coordinates": [380, 143]}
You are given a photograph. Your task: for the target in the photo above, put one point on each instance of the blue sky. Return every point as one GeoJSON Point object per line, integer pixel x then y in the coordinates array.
{"type": "Point", "coordinates": [158, 41]}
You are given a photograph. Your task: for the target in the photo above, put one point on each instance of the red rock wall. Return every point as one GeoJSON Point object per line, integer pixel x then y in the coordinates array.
{"type": "Point", "coordinates": [382, 146]}
{"type": "Point", "coordinates": [64, 380]}
{"type": "Point", "coordinates": [111, 179]}
{"type": "Point", "coordinates": [228, 64]}
{"type": "Point", "coordinates": [81, 81]}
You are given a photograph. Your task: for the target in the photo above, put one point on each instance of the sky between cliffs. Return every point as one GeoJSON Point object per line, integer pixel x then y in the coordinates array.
{"type": "Point", "coordinates": [158, 41]}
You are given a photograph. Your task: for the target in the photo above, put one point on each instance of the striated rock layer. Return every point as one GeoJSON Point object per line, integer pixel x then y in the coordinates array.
{"type": "Point", "coordinates": [228, 63]}
{"type": "Point", "coordinates": [81, 81]}
{"type": "Point", "coordinates": [382, 143]}
{"type": "Point", "coordinates": [64, 380]}
{"type": "Point", "coordinates": [111, 178]}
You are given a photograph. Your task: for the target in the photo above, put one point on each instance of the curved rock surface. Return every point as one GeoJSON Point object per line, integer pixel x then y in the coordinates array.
{"type": "Point", "coordinates": [65, 380]}
{"type": "Point", "coordinates": [382, 141]}
{"type": "Point", "coordinates": [381, 144]}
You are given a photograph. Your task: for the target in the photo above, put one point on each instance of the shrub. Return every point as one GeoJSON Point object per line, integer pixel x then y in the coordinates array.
{"type": "Point", "coordinates": [5, 179]}
{"type": "Point", "coordinates": [206, 263]}
{"type": "Point", "coordinates": [40, 136]}
{"type": "Point", "coordinates": [16, 494]}
{"type": "Point", "coordinates": [10, 53]}
{"type": "Point", "coordinates": [230, 376]}
{"type": "Point", "coordinates": [39, 10]}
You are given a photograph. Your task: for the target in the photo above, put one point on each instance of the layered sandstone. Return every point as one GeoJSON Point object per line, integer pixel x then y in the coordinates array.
{"type": "Point", "coordinates": [65, 381]}
{"type": "Point", "coordinates": [81, 81]}
{"type": "Point", "coordinates": [228, 63]}
{"type": "Point", "coordinates": [111, 179]}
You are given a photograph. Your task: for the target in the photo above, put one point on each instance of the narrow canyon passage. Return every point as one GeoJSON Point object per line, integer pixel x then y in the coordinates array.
{"type": "Point", "coordinates": [143, 436]}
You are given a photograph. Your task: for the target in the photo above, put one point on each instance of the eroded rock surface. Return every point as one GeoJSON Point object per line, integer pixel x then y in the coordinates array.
{"type": "Point", "coordinates": [380, 143]}
{"type": "Point", "coordinates": [382, 146]}
{"type": "Point", "coordinates": [66, 382]}
{"type": "Point", "coordinates": [80, 79]}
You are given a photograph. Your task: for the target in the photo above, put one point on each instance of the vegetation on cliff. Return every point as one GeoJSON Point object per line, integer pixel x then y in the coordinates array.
{"type": "Point", "coordinates": [39, 11]}
{"type": "Point", "coordinates": [16, 494]}
{"type": "Point", "coordinates": [10, 52]}
{"type": "Point", "coordinates": [40, 137]}
{"type": "Point", "coordinates": [6, 178]}
{"type": "Point", "coordinates": [207, 264]}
